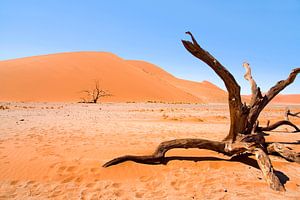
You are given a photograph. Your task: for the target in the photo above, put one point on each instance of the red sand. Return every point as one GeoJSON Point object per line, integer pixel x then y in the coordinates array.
{"type": "Point", "coordinates": [57, 150]}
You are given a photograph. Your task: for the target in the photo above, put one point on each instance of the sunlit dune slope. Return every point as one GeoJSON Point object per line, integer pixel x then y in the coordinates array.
{"type": "Point", "coordinates": [287, 98]}
{"type": "Point", "coordinates": [205, 91]}
{"type": "Point", "coordinates": [63, 77]}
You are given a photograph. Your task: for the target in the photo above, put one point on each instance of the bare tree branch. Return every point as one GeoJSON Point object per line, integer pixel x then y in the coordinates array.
{"type": "Point", "coordinates": [159, 154]}
{"type": "Point", "coordinates": [234, 97]}
{"type": "Point", "coordinates": [276, 125]}
{"type": "Point", "coordinates": [256, 93]}
{"type": "Point", "coordinates": [282, 84]}
{"type": "Point", "coordinates": [260, 104]}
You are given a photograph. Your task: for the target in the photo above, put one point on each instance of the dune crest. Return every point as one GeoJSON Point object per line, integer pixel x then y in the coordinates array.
{"type": "Point", "coordinates": [62, 77]}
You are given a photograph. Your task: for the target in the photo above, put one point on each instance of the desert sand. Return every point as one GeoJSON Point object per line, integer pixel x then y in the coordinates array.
{"type": "Point", "coordinates": [56, 150]}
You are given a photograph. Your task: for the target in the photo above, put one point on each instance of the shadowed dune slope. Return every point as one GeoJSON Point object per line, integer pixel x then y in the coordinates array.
{"type": "Point", "coordinates": [63, 77]}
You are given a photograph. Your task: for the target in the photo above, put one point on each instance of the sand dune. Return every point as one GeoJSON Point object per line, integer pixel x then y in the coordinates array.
{"type": "Point", "coordinates": [205, 91]}
{"type": "Point", "coordinates": [287, 98]}
{"type": "Point", "coordinates": [62, 78]}
{"type": "Point", "coordinates": [283, 99]}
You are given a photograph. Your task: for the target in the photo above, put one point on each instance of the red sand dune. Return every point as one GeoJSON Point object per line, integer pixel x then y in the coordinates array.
{"type": "Point", "coordinates": [287, 98]}
{"type": "Point", "coordinates": [63, 77]}
{"type": "Point", "coordinates": [280, 99]}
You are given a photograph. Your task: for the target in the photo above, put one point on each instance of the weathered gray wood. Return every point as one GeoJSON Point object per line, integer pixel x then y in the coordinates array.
{"type": "Point", "coordinates": [284, 152]}
{"type": "Point", "coordinates": [256, 93]}
{"type": "Point", "coordinates": [266, 167]}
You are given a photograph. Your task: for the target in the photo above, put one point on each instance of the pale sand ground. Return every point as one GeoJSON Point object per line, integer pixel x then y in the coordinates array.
{"type": "Point", "coordinates": [55, 151]}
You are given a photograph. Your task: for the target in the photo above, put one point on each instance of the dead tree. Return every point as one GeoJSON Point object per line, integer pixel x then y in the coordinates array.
{"type": "Point", "coordinates": [242, 137]}
{"type": "Point", "coordinates": [94, 94]}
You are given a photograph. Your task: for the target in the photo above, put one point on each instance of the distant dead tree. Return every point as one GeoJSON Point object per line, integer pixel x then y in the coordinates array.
{"type": "Point", "coordinates": [243, 137]}
{"type": "Point", "coordinates": [93, 95]}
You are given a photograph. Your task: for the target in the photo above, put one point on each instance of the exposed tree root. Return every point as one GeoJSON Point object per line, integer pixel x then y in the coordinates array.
{"type": "Point", "coordinates": [159, 154]}
{"type": "Point", "coordinates": [247, 145]}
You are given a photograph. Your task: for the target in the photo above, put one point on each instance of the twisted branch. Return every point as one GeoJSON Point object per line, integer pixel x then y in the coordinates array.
{"type": "Point", "coordinates": [256, 93]}
{"type": "Point", "coordinates": [276, 125]}
{"type": "Point", "coordinates": [159, 153]}
{"type": "Point", "coordinates": [260, 104]}
{"type": "Point", "coordinates": [234, 97]}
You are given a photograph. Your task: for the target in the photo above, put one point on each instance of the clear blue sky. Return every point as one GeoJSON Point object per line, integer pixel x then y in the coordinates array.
{"type": "Point", "coordinates": [265, 33]}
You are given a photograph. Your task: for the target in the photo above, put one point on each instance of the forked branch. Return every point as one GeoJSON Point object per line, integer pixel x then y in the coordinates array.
{"type": "Point", "coordinates": [260, 104]}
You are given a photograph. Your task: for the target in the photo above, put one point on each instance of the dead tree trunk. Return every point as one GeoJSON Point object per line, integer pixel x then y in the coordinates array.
{"type": "Point", "coordinates": [243, 136]}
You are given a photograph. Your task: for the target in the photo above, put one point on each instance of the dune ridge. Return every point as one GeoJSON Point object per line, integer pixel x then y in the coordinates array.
{"type": "Point", "coordinates": [62, 77]}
